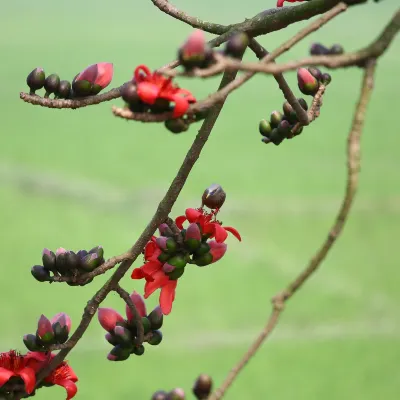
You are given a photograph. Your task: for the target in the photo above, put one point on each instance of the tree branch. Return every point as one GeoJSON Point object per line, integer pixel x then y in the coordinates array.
{"type": "Point", "coordinates": [353, 168]}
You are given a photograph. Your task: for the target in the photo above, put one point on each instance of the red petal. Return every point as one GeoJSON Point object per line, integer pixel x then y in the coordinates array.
{"type": "Point", "coordinates": [155, 255]}
{"type": "Point", "coordinates": [181, 106]}
{"type": "Point", "coordinates": [167, 296]}
{"type": "Point", "coordinates": [28, 376]}
{"type": "Point", "coordinates": [160, 279]}
{"type": "Point", "coordinates": [179, 221]}
{"type": "Point", "coordinates": [69, 386]}
{"type": "Point", "coordinates": [220, 233]}
{"type": "Point", "coordinates": [105, 73]}
{"type": "Point", "coordinates": [192, 214]}
{"type": "Point", "coordinates": [150, 268]}
{"type": "Point", "coordinates": [139, 304]}
{"type": "Point", "coordinates": [88, 74]}
{"type": "Point", "coordinates": [137, 273]}
{"type": "Point", "coordinates": [234, 232]}
{"type": "Point", "coordinates": [208, 228]}
{"type": "Point", "coordinates": [5, 375]}
{"type": "Point", "coordinates": [148, 92]}
{"type": "Point", "coordinates": [149, 249]}
{"type": "Point", "coordinates": [140, 77]}
{"type": "Point", "coordinates": [217, 250]}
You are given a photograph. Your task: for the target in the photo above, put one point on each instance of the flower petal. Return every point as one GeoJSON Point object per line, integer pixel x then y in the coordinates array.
{"type": "Point", "coordinates": [220, 233]}
{"type": "Point", "coordinates": [28, 376]}
{"type": "Point", "coordinates": [217, 250]}
{"type": "Point", "coordinates": [137, 273]}
{"type": "Point", "coordinates": [167, 296]}
{"type": "Point", "coordinates": [192, 214]}
{"type": "Point", "coordinates": [105, 73]}
{"type": "Point", "coordinates": [149, 249]}
{"type": "Point", "coordinates": [138, 301]}
{"type": "Point", "coordinates": [5, 375]}
{"type": "Point", "coordinates": [234, 232]}
{"type": "Point", "coordinates": [160, 279]}
{"type": "Point", "coordinates": [69, 386]}
{"type": "Point", "coordinates": [179, 221]}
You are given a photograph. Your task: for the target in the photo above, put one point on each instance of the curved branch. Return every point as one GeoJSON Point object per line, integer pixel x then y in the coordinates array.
{"type": "Point", "coordinates": [353, 169]}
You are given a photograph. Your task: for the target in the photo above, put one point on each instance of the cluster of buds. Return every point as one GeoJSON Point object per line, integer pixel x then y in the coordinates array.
{"type": "Point", "coordinates": [89, 82]}
{"type": "Point", "coordinates": [49, 332]}
{"type": "Point", "coordinates": [280, 125]}
{"type": "Point", "coordinates": [122, 333]}
{"type": "Point", "coordinates": [318, 49]}
{"type": "Point", "coordinates": [201, 244]}
{"type": "Point", "coordinates": [201, 390]}
{"type": "Point", "coordinates": [66, 263]}
{"type": "Point", "coordinates": [196, 53]}
{"type": "Point", "coordinates": [310, 79]}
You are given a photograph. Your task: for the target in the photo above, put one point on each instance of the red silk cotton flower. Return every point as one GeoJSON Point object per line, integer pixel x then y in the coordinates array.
{"type": "Point", "coordinates": [208, 224]}
{"type": "Point", "coordinates": [153, 86]}
{"type": "Point", "coordinates": [280, 2]}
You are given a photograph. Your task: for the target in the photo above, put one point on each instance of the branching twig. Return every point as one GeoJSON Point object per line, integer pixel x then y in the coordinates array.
{"type": "Point", "coordinates": [138, 319]}
{"type": "Point", "coordinates": [353, 167]}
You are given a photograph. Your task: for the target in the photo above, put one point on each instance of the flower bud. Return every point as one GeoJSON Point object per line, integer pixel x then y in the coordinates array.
{"type": "Point", "coordinates": [111, 338]}
{"type": "Point", "coordinates": [146, 325]}
{"type": "Point", "coordinates": [48, 259]}
{"type": "Point", "coordinates": [31, 343]}
{"type": "Point", "coordinates": [336, 49]}
{"type": "Point", "coordinates": [108, 318]}
{"type": "Point", "coordinates": [81, 253]}
{"type": "Point", "coordinates": [203, 260]}
{"type": "Point", "coordinates": [202, 387]}
{"type": "Point", "coordinates": [276, 137]}
{"type": "Point", "coordinates": [276, 117]}
{"type": "Point", "coordinates": [90, 262]}
{"type": "Point", "coordinates": [192, 237]}
{"type": "Point", "coordinates": [217, 250]}
{"type": "Point", "coordinates": [307, 83]}
{"type": "Point", "coordinates": [62, 261]}
{"type": "Point", "coordinates": [156, 318]}
{"type": "Point", "coordinates": [36, 79]}
{"type": "Point", "coordinates": [64, 90]}
{"type": "Point", "coordinates": [303, 103]}
{"type": "Point", "coordinates": [72, 260]}
{"type": "Point", "coordinates": [51, 84]}
{"type": "Point", "coordinates": [163, 257]}
{"type": "Point", "coordinates": [63, 319]}
{"type": "Point", "coordinates": [98, 75]}
{"type": "Point", "coordinates": [265, 128]}
{"type": "Point", "coordinates": [326, 79]}
{"type": "Point", "coordinates": [315, 72]}
{"type": "Point", "coordinates": [178, 261]}
{"type": "Point", "coordinates": [166, 244]}
{"type": "Point", "coordinates": [159, 395]}
{"type": "Point", "coordinates": [203, 249]}
{"type": "Point", "coordinates": [40, 273]}
{"type": "Point", "coordinates": [155, 338]}
{"type": "Point", "coordinates": [82, 88]}
{"type": "Point", "coordinates": [177, 125]}
{"type": "Point", "coordinates": [284, 128]}
{"type": "Point", "coordinates": [122, 335]}
{"type": "Point", "coordinates": [61, 324]}
{"type": "Point", "coordinates": [44, 330]}
{"type": "Point", "coordinates": [168, 268]}
{"type": "Point", "coordinates": [165, 230]}
{"type": "Point", "coordinates": [119, 353]}
{"type": "Point", "coordinates": [236, 45]}
{"type": "Point", "coordinates": [289, 112]}
{"type": "Point", "coordinates": [129, 93]}
{"type": "Point", "coordinates": [176, 394]}
{"type": "Point", "coordinates": [138, 301]}
{"type": "Point", "coordinates": [195, 52]}
{"type": "Point", "coordinates": [138, 350]}
{"type": "Point", "coordinates": [97, 250]}
{"type": "Point", "coordinates": [266, 140]}
{"type": "Point", "coordinates": [317, 49]}
{"type": "Point", "coordinates": [176, 274]}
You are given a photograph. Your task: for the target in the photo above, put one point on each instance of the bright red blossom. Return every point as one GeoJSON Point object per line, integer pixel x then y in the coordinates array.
{"type": "Point", "coordinates": [208, 224]}
{"type": "Point", "coordinates": [152, 86]}
{"type": "Point", "coordinates": [13, 364]}
{"type": "Point", "coordinates": [98, 74]}
{"type": "Point", "coordinates": [280, 2]}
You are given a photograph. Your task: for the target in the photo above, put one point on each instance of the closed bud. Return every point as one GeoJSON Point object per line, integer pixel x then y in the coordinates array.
{"type": "Point", "coordinates": [40, 273]}
{"type": "Point", "coordinates": [303, 103]}
{"type": "Point", "coordinates": [62, 321]}
{"type": "Point", "coordinates": [217, 250]}
{"type": "Point", "coordinates": [122, 335]}
{"type": "Point", "coordinates": [156, 318]}
{"type": "Point", "coordinates": [202, 387]}
{"type": "Point", "coordinates": [64, 90]}
{"type": "Point", "coordinates": [51, 84]}
{"type": "Point", "coordinates": [298, 131]}
{"type": "Point", "coordinates": [163, 257]}
{"type": "Point", "coordinates": [146, 325]}
{"type": "Point", "coordinates": [168, 268]}
{"type": "Point", "coordinates": [276, 137]}
{"type": "Point", "coordinates": [276, 117]}
{"type": "Point", "coordinates": [129, 93]}
{"type": "Point", "coordinates": [36, 79]}
{"type": "Point", "coordinates": [315, 72]}
{"type": "Point", "coordinates": [176, 394]}
{"type": "Point", "coordinates": [108, 318]}
{"type": "Point", "coordinates": [119, 353]}
{"type": "Point", "coordinates": [81, 88]}
{"type": "Point", "coordinates": [111, 338]}
{"type": "Point", "coordinates": [317, 49]}
{"type": "Point", "coordinates": [176, 274]}
{"type": "Point", "coordinates": [90, 262]}
{"type": "Point", "coordinates": [48, 259]}
{"type": "Point", "coordinates": [203, 260]}
{"type": "Point", "coordinates": [138, 350]}
{"type": "Point", "coordinates": [178, 261]}
{"type": "Point", "coordinates": [289, 112]}
{"type": "Point", "coordinates": [155, 338]}
{"type": "Point", "coordinates": [62, 265]}
{"type": "Point", "coordinates": [307, 83]}
{"type": "Point", "coordinates": [159, 395]}
{"type": "Point", "coordinates": [193, 237]}
{"type": "Point", "coordinates": [236, 45]}
{"type": "Point", "coordinates": [336, 49]}
{"type": "Point", "coordinates": [45, 330]}
{"type": "Point", "coordinates": [195, 52]}
{"type": "Point", "coordinates": [81, 253]}
{"type": "Point", "coordinates": [177, 125]}
{"type": "Point", "coordinates": [138, 301]}
{"type": "Point", "coordinates": [97, 250]}
{"type": "Point", "coordinates": [266, 140]}
{"type": "Point", "coordinates": [326, 79]}
{"type": "Point", "coordinates": [165, 230]}
{"type": "Point", "coordinates": [284, 128]}
{"type": "Point", "coordinates": [265, 128]}
{"type": "Point", "coordinates": [166, 244]}
{"type": "Point", "coordinates": [203, 249]}
{"type": "Point", "coordinates": [72, 260]}
{"type": "Point", "coordinates": [31, 343]}
{"type": "Point", "coordinates": [97, 75]}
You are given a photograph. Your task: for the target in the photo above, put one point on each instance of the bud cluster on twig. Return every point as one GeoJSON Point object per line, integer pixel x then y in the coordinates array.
{"type": "Point", "coordinates": [66, 263]}
{"type": "Point", "coordinates": [318, 49]}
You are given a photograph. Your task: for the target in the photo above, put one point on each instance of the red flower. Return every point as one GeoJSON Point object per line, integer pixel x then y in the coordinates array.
{"type": "Point", "coordinates": [63, 375]}
{"type": "Point", "coordinates": [208, 224]}
{"type": "Point", "coordinates": [97, 74]}
{"type": "Point", "coordinates": [280, 2]}
{"type": "Point", "coordinates": [13, 364]}
{"type": "Point", "coordinates": [153, 86]}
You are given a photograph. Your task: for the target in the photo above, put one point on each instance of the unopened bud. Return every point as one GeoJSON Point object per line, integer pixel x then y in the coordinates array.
{"type": "Point", "coordinates": [317, 49]}
{"type": "Point", "coordinates": [119, 353]}
{"type": "Point", "coordinates": [31, 343]}
{"type": "Point", "coordinates": [64, 90]}
{"type": "Point", "coordinates": [202, 387]}
{"type": "Point", "coordinates": [326, 79]}
{"type": "Point", "coordinates": [40, 273]}
{"type": "Point", "coordinates": [336, 49]}
{"type": "Point", "coordinates": [138, 350]}
{"type": "Point", "coordinates": [156, 338]}
{"type": "Point", "coordinates": [159, 395]}
{"type": "Point", "coordinates": [265, 128]}
{"type": "Point", "coordinates": [177, 125]}
{"type": "Point", "coordinates": [307, 83]}
{"type": "Point", "coordinates": [156, 318]}
{"type": "Point", "coordinates": [51, 84]}
{"type": "Point", "coordinates": [276, 117]}
{"type": "Point", "coordinates": [36, 79]}
{"type": "Point", "coordinates": [236, 45]}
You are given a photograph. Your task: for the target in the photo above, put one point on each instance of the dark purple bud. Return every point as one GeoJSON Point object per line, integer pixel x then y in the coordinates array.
{"type": "Point", "coordinates": [156, 318]}
{"type": "Point", "coordinates": [31, 343]}
{"type": "Point", "coordinates": [155, 338]}
{"type": "Point", "coordinates": [119, 353]}
{"type": "Point", "coordinates": [90, 262]}
{"type": "Point", "coordinates": [40, 273]}
{"type": "Point", "coordinates": [202, 387]}
{"type": "Point", "coordinates": [122, 335]}
{"type": "Point", "coordinates": [165, 230]}
{"type": "Point", "coordinates": [326, 79]}
{"type": "Point", "coordinates": [48, 259]}
{"type": "Point", "coordinates": [138, 350]}
{"type": "Point", "coordinates": [159, 395]}
{"type": "Point", "coordinates": [36, 79]}
{"type": "Point", "coordinates": [51, 84]}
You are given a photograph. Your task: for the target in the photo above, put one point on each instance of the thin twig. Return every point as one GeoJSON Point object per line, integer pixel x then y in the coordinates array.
{"type": "Point", "coordinates": [353, 169]}
{"type": "Point", "coordinates": [138, 319]}
{"type": "Point", "coordinates": [162, 212]}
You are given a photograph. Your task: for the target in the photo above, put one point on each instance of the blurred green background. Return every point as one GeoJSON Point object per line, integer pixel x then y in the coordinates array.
{"type": "Point", "coordinates": [80, 178]}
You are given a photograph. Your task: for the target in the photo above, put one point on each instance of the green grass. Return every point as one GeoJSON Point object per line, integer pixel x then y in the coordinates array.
{"type": "Point", "coordinates": [80, 178]}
